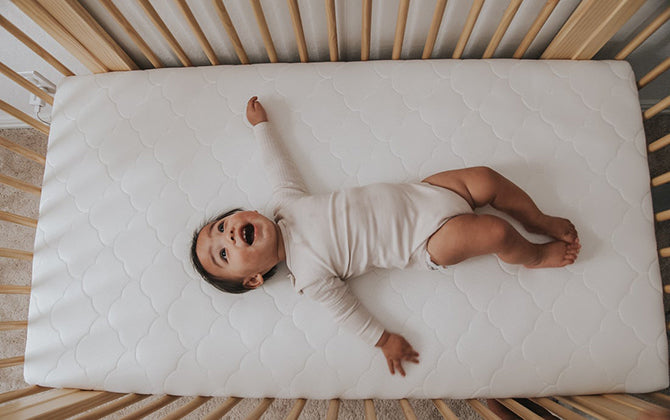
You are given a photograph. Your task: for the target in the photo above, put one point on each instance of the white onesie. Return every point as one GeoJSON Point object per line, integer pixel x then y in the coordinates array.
{"type": "Point", "coordinates": [331, 237]}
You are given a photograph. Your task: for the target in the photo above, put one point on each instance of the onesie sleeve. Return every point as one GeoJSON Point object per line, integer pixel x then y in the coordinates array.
{"type": "Point", "coordinates": [348, 311]}
{"type": "Point", "coordinates": [282, 171]}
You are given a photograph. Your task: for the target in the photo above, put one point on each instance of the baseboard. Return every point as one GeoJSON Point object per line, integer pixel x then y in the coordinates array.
{"type": "Point", "coordinates": [7, 121]}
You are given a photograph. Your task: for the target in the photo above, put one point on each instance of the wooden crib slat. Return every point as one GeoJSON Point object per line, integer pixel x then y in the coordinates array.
{"type": "Point", "coordinates": [666, 288]}
{"type": "Point", "coordinates": [125, 401]}
{"type": "Point", "coordinates": [33, 400]}
{"type": "Point", "coordinates": [197, 30]}
{"type": "Point", "coordinates": [13, 325]}
{"type": "Point", "coordinates": [20, 393]}
{"type": "Point", "coordinates": [66, 405]}
{"type": "Point", "coordinates": [574, 404]}
{"type": "Point", "coordinates": [370, 413]}
{"type": "Point", "coordinates": [332, 30]}
{"type": "Point", "coordinates": [165, 32]}
{"type": "Point", "coordinates": [230, 30]}
{"type": "Point", "coordinates": [440, 6]}
{"type": "Point", "coordinates": [589, 27]}
{"type": "Point", "coordinates": [557, 409]}
{"type": "Point", "coordinates": [151, 407]}
{"type": "Point", "coordinates": [24, 83]}
{"type": "Point", "coordinates": [184, 410]}
{"type": "Point", "coordinates": [482, 410]}
{"type": "Point", "coordinates": [664, 252]}
{"type": "Point", "coordinates": [23, 151]}
{"type": "Point", "coordinates": [535, 28]}
{"type": "Point", "coordinates": [654, 73]}
{"type": "Point", "coordinates": [40, 126]}
{"type": "Point", "coordinates": [132, 33]}
{"type": "Point", "coordinates": [265, 31]}
{"type": "Point", "coordinates": [506, 20]}
{"type": "Point", "coordinates": [518, 409]}
{"type": "Point", "coordinates": [401, 24]}
{"type": "Point", "coordinates": [74, 404]}
{"type": "Point", "coordinates": [223, 409]}
{"type": "Point", "coordinates": [662, 216]}
{"type": "Point", "coordinates": [17, 219]}
{"type": "Point", "coordinates": [294, 9]}
{"type": "Point", "coordinates": [37, 13]}
{"type": "Point", "coordinates": [407, 409]}
{"type": "Point", "coordinates": [261, 409]}
{"type": "Point", "coordinates": [16, 254]}
{"type": "Point", "coordinates": [297, 409]}
{"type": "Point", "coordinates": [656, 109]}
{"type": "Point", "coordinates": [366, 29]}
{"type": "Point", "coordinates": [20, 185]}
{"type": "Point", "coordinates": [661, 179]}
{"type": "Point", "coordinates": [467, 29]}
{"type": "Point", "coordinates": [644, 34]}
{"type": "Point", "coordinates": [444, 410]}
{"type": "Point", "coordinates": [28, 42]}
{"type": "Point", "coordinates": [87, 31]}
{"type": "Point", "coordinates": [634, 402]}
{"type": "Point", "coordinates": [333, 409]}
{"type": "Point", "coordinates": [659, 144]}
{"type": "Point", "coordinates": [9, 289]}
{"type": "Point", "coordinates": [11, 361]}
{"type": "Point", "coordinates": [608, 408]}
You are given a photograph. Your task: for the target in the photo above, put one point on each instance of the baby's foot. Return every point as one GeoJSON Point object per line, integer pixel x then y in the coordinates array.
{"type": "Point", "coordinates": [556, 227]}
{"type": "Point", "coordinates": [555, 254]}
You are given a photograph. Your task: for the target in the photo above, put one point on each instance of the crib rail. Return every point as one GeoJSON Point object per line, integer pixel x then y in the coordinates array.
{"type": "Point", "coordinates": [69, 23]}
{"type": "Point", "coordinates": [39, 402]}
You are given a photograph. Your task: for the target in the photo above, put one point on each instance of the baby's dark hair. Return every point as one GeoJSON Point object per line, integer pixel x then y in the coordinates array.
{"type": "Point", "coordinates": [222, 284]}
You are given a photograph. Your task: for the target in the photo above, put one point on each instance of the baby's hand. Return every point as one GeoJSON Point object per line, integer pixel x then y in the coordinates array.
{"type": "Point", "coordinates": [255, 111]}
{"type": "Point", "coordinates": [396, 349]}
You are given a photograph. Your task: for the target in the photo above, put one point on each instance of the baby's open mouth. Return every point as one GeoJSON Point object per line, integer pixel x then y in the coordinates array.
{"type": "Point", "coordinates": [248, 233]}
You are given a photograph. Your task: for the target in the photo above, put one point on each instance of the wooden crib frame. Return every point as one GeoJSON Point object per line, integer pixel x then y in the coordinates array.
{"type": "Point", "coordinates": [582, 35]}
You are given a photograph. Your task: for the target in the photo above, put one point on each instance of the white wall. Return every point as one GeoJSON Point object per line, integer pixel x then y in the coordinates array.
{"type": "Point", "coordinates": [20, 58]}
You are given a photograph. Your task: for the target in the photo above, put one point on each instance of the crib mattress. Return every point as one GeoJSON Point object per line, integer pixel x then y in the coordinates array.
{"type": "Point", "coordinates": [138, 160]}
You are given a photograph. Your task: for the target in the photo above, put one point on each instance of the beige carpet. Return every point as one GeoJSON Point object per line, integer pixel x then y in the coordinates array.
{"type": "Point", "coordinates": [15, 307]}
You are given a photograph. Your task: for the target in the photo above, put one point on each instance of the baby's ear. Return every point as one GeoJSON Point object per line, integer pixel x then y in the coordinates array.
{"type": "Point", "coordinates": [253, 282]}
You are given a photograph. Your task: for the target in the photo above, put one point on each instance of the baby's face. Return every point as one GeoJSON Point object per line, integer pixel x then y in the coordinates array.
{"type": "Point", "coordinates": [239, 246]}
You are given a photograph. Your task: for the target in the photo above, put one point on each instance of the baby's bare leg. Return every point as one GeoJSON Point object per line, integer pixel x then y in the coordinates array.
{"type": "Point", "coordinates": [481, 186]}
{"type": "Point", "coordinates": [470, 235]}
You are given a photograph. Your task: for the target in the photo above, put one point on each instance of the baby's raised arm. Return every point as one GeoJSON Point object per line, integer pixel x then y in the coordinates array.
{"type": "Point", "coordinates": [282, 171]}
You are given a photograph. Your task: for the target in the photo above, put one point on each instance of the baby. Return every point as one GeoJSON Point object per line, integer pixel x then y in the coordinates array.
{"type": "Point", "coordinates": [327, 238]}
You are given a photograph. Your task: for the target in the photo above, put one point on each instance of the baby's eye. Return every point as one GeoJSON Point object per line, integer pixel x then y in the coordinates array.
{"type": "Point", "coordinates": [224, 256]}
{"type": "Point", "coordinates": [221, 227]}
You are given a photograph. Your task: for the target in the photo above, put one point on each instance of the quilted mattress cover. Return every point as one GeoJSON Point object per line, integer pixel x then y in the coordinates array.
{"type": "Point", "coordinates": [138, 160]}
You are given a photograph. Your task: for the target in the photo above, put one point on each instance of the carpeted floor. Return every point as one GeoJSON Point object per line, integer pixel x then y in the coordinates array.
{"type": "Point", "coordinates": [15, 307]}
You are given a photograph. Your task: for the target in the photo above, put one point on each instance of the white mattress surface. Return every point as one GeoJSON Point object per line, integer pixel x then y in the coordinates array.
{"type": "Point", "coordinates": [137, 160]}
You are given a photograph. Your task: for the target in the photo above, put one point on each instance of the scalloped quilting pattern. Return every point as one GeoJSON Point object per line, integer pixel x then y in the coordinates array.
{"type": "Point", "coordinates": [137, 160]}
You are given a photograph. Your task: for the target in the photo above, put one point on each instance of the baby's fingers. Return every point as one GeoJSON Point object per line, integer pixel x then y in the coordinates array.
{"type": "Point", "coordinates": [395, 364]}
{"type": "Point", "coordinates": [251, 105]}
{"type": "Point", "coordinates": [390, 363]}
{"type": "Point", "coordinates": [399, 366]}
{"type": "Point", "coordinates": [412, 356]}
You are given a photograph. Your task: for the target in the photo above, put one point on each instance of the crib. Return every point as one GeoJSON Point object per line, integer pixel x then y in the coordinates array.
{"type": "Point", "coordinates": [582, 35]}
